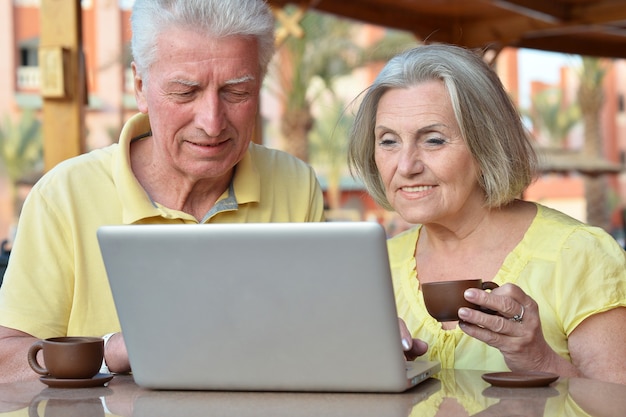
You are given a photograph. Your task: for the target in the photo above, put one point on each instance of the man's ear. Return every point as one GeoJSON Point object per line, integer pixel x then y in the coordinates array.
{"type": "Point", "coordinates": [139, 93]}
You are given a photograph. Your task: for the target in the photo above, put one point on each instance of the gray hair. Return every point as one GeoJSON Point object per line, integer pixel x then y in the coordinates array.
{"type": "Point", "coordinates": [215, 18]}
{"type": "Point", "coordinates": [489, 121]}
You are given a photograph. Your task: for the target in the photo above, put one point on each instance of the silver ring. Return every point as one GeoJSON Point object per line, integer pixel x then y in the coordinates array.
{"type": "Point", "coordinates": [518, 317]}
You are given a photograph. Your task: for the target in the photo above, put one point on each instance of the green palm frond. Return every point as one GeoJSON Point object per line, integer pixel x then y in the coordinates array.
{"type": "Point", "coordinates": [550, 115]}
{"type": "Point", "coordinates": [329, 137]}
{"type": "Point", "coordinates": [21, 146]}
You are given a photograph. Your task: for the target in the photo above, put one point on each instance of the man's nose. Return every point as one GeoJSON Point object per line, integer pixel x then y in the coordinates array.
{"type": "Point", "coordinates": [211, 115]}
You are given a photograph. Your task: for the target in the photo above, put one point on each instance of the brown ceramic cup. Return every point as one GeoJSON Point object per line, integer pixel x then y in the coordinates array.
{"type": "Point", "coordinates": [68, 357]}
{"type": "Point", "coordinates": [443, 299]}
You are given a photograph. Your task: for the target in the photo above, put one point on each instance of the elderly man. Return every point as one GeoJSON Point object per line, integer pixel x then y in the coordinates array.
{"type": "Point", "coordinates": [186, 158]}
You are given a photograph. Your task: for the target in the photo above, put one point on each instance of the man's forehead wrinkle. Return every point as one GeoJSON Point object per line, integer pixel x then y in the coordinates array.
{"type": "Point", "coordinates": [240, 80]}
{"type": "Point", "coordinates": [185, 82]}
{"type": "Point", "coordinates": [190, 83]}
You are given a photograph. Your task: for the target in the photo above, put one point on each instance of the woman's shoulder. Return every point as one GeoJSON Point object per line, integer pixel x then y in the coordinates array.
{"type": "Point", "coordinates": [558, 223]}
{"type": "Point", "coordinates": [555, 231]}
{"type": "Point", "coordinates": [403, 244]}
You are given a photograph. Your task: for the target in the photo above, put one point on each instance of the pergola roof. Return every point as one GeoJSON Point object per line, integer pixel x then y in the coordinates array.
{"type": "Point", "coordinates": [584, 27]}
{"type": "Point", "coordinates": [556, 160]}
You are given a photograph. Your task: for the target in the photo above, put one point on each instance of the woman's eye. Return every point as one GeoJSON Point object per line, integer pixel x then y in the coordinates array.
{"type": "Point", "coordinates": [386, 141]}
{"type": "Point", "coordinates": [435, 141]}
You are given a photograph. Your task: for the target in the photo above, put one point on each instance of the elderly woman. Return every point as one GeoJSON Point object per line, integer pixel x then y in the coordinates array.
{"type": "Point", "coordinates": [437, 139]}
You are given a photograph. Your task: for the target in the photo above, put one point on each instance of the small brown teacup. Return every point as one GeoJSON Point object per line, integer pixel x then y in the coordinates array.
{"type": "Point", "coordinates": [68, 357]}
{"type": "Point", "coordinates": [443, 299]}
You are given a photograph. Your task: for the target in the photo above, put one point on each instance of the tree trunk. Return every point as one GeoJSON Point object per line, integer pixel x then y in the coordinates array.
{"type": "Point", "coordinates": [590, 97]}
{"type": "Point", "coordinates": [295, 127]}
{"type": "Point", "coordinates": [596, 196]}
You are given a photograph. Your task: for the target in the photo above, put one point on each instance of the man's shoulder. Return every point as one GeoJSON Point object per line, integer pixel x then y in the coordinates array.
{"type": "Point", "coordinates": [276, 159]}
{"type": "Point", "coordinates": [82, 167]}
{"type": "Point", "coordinates": [263, 151]}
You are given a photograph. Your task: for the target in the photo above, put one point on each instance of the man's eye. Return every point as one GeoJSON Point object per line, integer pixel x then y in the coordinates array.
{"type": "Point", "coordinates": [183, 94]}
{"type": "Point", "coordinates": [235, 96]}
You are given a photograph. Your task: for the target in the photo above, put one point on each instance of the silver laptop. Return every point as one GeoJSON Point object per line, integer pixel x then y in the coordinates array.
{"type": "Point", "coordinates": [150, 403]}
{"type": "Point", "coordinates": [259, 307]}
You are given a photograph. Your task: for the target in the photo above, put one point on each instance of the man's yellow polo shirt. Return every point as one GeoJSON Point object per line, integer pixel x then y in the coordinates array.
{"type": "Point", "coordinates": [56, 283]}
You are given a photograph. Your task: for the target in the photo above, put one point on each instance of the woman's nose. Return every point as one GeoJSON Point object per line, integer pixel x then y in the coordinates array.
{"type": "Point", "coordinates": [410, 161]}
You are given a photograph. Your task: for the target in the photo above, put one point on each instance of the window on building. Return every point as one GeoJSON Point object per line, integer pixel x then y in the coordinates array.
{"type": "Point", "coordinates": [28, 53]}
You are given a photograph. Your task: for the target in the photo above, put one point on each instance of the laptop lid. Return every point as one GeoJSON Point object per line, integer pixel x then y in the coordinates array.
{"type": "Point", "coordinates": [263, 307]}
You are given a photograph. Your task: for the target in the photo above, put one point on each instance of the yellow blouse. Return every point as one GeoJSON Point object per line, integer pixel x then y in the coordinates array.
{"type": "Point", "coordinates": [572, 270]}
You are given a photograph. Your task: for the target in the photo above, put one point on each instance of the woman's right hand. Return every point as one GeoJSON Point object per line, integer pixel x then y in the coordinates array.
{"type": "Point", "coordinates": [412, 347]}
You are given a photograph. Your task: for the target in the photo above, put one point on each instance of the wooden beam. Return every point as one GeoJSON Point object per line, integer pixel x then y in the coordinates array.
{"type": "Point", "coordinates": [537, 24]}
{"type": "Point", "coordinates": [63, 80]}
{"type": "Point", "coordinates": [542, 10]}
{"type": "Point", "coordinates": [576, 45]}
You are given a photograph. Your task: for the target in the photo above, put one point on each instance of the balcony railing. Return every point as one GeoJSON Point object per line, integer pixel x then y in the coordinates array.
{"type": "Point", "coordinates": [129, 82]}
{"type": "Point", "coordinates": [28, 78]}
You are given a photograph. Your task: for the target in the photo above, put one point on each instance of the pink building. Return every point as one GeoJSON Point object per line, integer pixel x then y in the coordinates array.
{"type": "Point", "coordinates": [565, 190]}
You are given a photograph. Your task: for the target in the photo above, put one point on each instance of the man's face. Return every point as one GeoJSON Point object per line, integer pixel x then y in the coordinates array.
{"type": "Point", "coordinates": [202, 98]}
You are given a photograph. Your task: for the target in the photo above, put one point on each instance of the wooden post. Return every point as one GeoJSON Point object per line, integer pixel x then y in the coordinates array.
{"type": "Point", "coordinates": [63, 81]}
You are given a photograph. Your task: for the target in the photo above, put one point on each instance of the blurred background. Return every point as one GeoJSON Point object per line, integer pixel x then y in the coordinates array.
{"type": "Point", "coordinates": [66, 88]}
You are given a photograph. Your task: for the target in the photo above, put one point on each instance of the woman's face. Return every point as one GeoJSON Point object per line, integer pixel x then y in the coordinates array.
{"type": "Point", "coordinates": [427, 170]}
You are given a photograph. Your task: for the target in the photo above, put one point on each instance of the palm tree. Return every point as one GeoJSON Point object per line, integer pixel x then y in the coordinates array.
{"type": "Point", "coordinates": [551, 117]}
{"type": "Point", "coordinates": [590, 98]}
{"type": "Point", "coordinates": [21, 146]}
{"type": "Point", "coordinates": [21, 150]}
{"type": "Point", "coordinates": [326, 51]}
{"type": "Point", "coordinates": [328, 141]}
